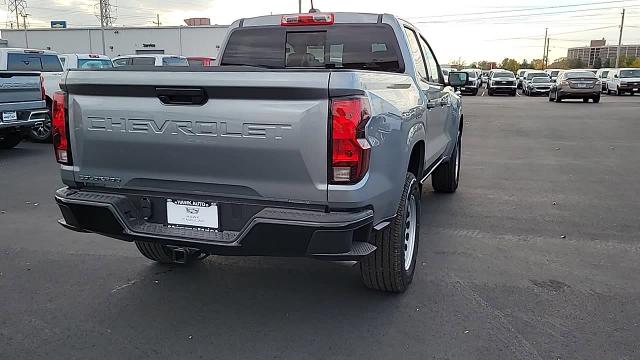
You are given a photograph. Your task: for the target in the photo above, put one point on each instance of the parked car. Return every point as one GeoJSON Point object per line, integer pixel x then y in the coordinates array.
{"type": "Point", "coordinates": [150, 60]}
{"type": "Point", "coordinates": [530, 75]}
{"type": "Point", "coordinates": [85, 61]}
{"type": "Point", "coordinates": [22, 105]}
{"type": "Point", "coordinates": [538, 86]}
{"type": "Point", "coordinates": [201, 61]}
{"type": "Point", "coordinates": [602, 75]}
{"type": "Point", "coordinates": [502, 82]}
{"type": "Point", "coordinates": [473, 84]}
{"type": "Point", "coordinates": [309, 161]}
{"type": "Point", "coordinates": [625, 80]}
{"type": "Point", "coordinates": [44, 61]}
{"type": "Point", "coordinates": [553, 73]}
{"type": "Point", "coordinates": [520, 77]}
{"type": "Point", "coordinates": [576, 84]}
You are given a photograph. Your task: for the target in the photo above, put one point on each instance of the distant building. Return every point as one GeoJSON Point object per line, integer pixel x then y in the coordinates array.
{"type": "Point", "coordinates": [202, 40]}
{"type": "Point", "coordinates": [197, 21]}
{"type": "Point", "coordinates": [600, 49]}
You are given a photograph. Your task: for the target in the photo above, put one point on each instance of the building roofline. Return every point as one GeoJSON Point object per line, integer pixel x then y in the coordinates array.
{"type": "Point", "coordinates": [120, 28]}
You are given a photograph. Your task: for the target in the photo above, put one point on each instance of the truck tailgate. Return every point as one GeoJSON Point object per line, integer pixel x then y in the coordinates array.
{"type": "Point", "coordinates": [254, 134]}
{"type": "Point", "coordinates": [20, 91]}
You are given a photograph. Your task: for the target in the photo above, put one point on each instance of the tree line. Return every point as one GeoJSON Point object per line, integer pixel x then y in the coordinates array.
{"type": "Point", "coordinates": [562, 63]}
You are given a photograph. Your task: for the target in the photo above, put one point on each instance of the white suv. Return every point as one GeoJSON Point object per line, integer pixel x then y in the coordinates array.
{"type": "Point", "coordinates": [623, 80]}
{"type": "Point", "coordinates": [150, 59]}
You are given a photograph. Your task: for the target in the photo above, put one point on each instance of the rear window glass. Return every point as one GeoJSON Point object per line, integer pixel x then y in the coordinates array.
{"type": "Point", "coordinates": [533, 75]}
{"type": "Point", "coordinates": [33, 62]}
{"type": "Point", "coordinates": [555, 73]}
{"type": "Point", "coordinates": [540, 80]}
{"type": "Point", "coordinates": [94, 64]}
{"type": "Point", "coordinates": [367, 47]}
{"type": "Point", "coordinates": [174, 61]}
{"type": "Point", "coordinates": [143, 61]}
{"type": "Point", "coordinates": [580, 74]}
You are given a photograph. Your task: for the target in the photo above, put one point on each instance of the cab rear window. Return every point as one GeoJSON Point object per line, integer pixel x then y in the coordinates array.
{"type": "Point", "coordinates": [342, 46]}
{"type": "Point", "coordinates": [33, 62]}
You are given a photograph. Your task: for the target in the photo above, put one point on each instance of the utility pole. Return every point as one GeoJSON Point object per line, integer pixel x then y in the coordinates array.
{"type": "Point", "coordinates": [546, 57]}
{"type": "Point", "coordinates": [544, 48]}
{"type": "Point", "coordinates": [24, 23]}
{"type": "Point", "coordinates": [620, 40]}
{"type": "Point", "coordinates": [17, 7]}
{"type": "Point", "coordinates": [106, 20]}
{"type": "Point", "coordinates": [300, 6]}
{"type": "Point", "coordinates": [157, 22]}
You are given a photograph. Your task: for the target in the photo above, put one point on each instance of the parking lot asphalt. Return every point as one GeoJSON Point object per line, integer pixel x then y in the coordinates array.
{"type": "Point", "coordinates": [535, 257]}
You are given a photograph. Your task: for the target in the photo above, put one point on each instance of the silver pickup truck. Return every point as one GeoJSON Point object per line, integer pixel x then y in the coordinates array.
{"type": "Point", "coordinates": [313, 137]}
{"type": "Point", "coordinates": [22, 105]}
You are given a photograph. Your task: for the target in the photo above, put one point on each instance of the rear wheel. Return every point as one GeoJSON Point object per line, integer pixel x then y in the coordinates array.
{"type": "Point", "coordinates": [596, 99]}
{"type": "Point", "coordinates": [41, 132]}
{"type": "Point", "coordinates": [9, 140]}
{"type": "Point", "coordinates": [585, 100]}
{"type": "Point", "coordinates": [391, 267]}
{"type": "Point", "coordinates": [167, 255]}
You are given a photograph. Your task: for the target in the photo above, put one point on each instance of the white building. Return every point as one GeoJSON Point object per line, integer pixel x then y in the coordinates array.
{"type": "Point", "coordinates": [174, 40]}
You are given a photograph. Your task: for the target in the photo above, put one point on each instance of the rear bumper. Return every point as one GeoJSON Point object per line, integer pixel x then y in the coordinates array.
{"type": "Point", "coordinates": [270, 231]}
{"type": "Point", "coordinates": [569, 93]}
{"type": "Point", "coordinates": [26, 119]}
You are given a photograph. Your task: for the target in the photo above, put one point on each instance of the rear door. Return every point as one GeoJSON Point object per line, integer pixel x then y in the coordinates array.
{"type": "Point", "coordinates": [437, 99]}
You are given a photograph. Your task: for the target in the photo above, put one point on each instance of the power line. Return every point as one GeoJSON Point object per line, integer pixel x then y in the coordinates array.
{"type": "Point", "coordinates": [515, 16]}
{"type": "Point", "coordinates": [527, 9]}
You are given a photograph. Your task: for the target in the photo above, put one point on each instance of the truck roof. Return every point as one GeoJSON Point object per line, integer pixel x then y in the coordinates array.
{"type": "Point", "coordinates": [339, 18]}
{"type": "Point", "coordinates": [22, 50]}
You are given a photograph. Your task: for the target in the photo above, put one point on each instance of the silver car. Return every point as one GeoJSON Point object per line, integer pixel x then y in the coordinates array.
{"type": "Point", "coordinates": [576, 84]}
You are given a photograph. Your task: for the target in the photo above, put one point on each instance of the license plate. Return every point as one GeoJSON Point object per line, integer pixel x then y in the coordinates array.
{"type": "Point", "coordinates": [582, 85]}
{"type": "Point", "coordinates": [8, 116]}
{"type": "Point", "coordinates": [636, 89]}
{"type": "Point", "coordinates": [462, 88]}
{"type": "Point", "coordinates": [192, 214]}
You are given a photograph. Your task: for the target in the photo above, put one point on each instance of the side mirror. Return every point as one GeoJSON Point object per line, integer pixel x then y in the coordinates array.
{"type": "Point", "coordinates": [615, 76]}
{"type": "Point", "coordinates": [458, 78]}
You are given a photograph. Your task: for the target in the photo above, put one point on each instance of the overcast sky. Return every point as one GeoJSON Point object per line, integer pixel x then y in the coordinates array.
{"type": "Point", "coordinates": [471, 30]}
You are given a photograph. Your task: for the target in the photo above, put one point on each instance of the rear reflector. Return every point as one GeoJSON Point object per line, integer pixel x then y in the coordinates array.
{"type": "Point", "coordinates": [350, 150]}
{"type": "Point", "coordinates": [59, 128]}
{"type": "Point", "coordinates": [307, 19]}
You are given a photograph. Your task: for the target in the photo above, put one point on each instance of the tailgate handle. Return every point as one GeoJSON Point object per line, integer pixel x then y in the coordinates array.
{"type": "Point", "coordinates": [182, 96]}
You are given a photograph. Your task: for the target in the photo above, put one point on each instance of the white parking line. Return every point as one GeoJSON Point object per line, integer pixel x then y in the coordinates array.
{"type": "Point", "coordinates": [517, 93]}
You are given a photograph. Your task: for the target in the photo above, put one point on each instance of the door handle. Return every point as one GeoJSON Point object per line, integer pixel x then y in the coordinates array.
{"type": "Point", "coordinates": [182, 96]}
{"type": "Point", "coordinates": [431, 104]}
{"type": "Point", "coordinates": [445, 102]}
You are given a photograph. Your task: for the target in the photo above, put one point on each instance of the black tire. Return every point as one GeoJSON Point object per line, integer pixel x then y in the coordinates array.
{"type": "Point", "coordinates": [9, 140]}
{"type": "Point", "coordinates": [446, 177]}
{"type": "Point", "coordinates": [490, 92]}
{"type": "Point", "coordinates": [596, 99]}
{"type": "Point", "coordinates": [41, 132]}
{"type": "Point", "coordinates": [513, 93]}
{"type": "Point", "coordinates": [385, 269]}
{"type": "Point", "coordinates": [585, 100]}
{"type": "Point", "coordinates": [475, 92]}
{"type": "Point", "coordinates": [550, 98]}
{"type": "Point", "coordinates": [162, 253]}
{"type": "Point", "coordinates": [618, 92]}
{"type": "Point", "coordinates": [557, 98]}
{"type": "Point", "coordinates": [608, 92]}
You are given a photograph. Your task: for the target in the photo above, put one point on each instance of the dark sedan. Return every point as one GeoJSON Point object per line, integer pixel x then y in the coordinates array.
{"type": "Point", "coordinates": [578, 84]}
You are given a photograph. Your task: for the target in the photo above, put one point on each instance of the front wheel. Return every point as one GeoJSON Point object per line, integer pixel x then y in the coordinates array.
{"type": "Point", "coordinates": [391, 266]}
{"type": "Point", "coordinates": [585, 100]}
{"type": "Point", "coordinates": [596, 99]}
{"type": "Point", "coordinates": [10, 140]}
{"type": "Point", "coordinates": [558, 98]}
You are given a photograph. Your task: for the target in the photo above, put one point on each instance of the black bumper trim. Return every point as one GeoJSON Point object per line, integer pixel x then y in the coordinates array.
{"type": "Point", "coordinates": [272, 231]}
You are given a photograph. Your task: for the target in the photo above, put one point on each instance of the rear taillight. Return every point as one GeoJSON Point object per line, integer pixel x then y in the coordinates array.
{"type": "Point", "coordinates": [306, 19]}
{"type": "Point", "coordinates": [59, 128]}
{"type": "Point", "coordinates": [350, 150]}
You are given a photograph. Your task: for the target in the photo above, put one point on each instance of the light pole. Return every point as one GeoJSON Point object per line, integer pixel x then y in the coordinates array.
{"type": "Point", "coordinates": [24, 25]}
